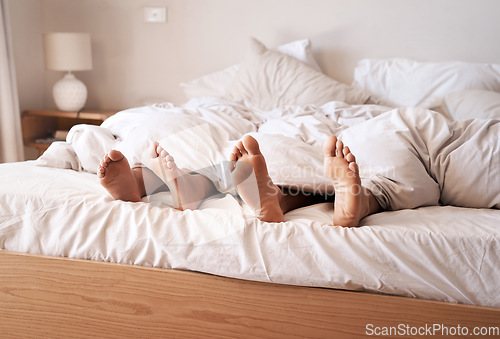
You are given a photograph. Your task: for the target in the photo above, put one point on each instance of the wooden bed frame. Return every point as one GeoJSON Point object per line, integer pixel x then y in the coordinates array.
{"type": "Point", "coordinates": [42, 296]}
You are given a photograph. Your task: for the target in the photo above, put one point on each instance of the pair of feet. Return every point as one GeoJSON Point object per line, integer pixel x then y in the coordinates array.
{"type": "Point", "coordinates": [249, 175]}
{"type": "Point", "coordinates": [129, 184]}
{"type": "Point", "coordinates": [352, 201]}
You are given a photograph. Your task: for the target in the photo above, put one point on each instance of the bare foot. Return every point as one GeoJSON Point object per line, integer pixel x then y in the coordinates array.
{"type": "Point", "coordinates": [117, 177]}
{"type": "Point", "coordinates": [352, 201]}
{"type": "Point", "coordinates": [251, 178]}
{"type": "Point", "coordinates": [188, 190]}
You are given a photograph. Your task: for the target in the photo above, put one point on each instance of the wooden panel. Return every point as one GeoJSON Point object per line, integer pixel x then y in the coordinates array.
{"type": "Point", "coordinates": [41, 124]}
{"type": "Point", "coordinates": [65, 124]}
{"type": "Point", "coordinates": [35, 127]}
{"type": "Point", "coordinates": [88, 114]}
{"type": "Point", "coordinates": [58, 297]}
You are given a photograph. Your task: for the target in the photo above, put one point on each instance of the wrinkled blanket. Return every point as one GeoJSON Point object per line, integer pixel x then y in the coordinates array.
{"type": "Point", "coordinates": [408, 157]}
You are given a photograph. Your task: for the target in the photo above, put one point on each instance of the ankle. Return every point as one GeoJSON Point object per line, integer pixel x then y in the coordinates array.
{"type": "Point", "coordinates": [271, 214]}
{"type": "Point", "coordinates": [139, 179]}
{"type": "Point", "coordinates": [372, 204]}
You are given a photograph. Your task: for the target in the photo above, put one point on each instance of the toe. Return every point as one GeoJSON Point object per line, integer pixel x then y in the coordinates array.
{"type": "Point", "coordinates": [241, 147]}
{"type": "Point", "coordinates": [354, 167]}
{"type": "Point", "coordinates": [340, 147]}
{"type": "Point", "coordinates": [171, 165]}
{"type": "Point", "coordinates": [233, 157]}
{"type": "Point", "coordinates": [115, 155]}
{"type": "Point", "coordinates": [346, 151]}
{"type": "Point", "coordinates": [152, 151]}
{"type": "Point", "coordinates": [251, 145]}
{"type": "Point", "coordinates": [159, 149]}
{"type": "Point", "coordinates": [237, 152]}
{"type": "Point", "coordinates": [329, 146]}
{"type": "Point", "coordinates": [350, 157]}
{"type": "Point", "coordinates": [164, 154]}
{"type": "Point", "coordinates": [101, 172]}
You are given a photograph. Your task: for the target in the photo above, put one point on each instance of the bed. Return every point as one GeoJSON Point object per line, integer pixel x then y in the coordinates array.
{"type": "Point", "coordinates": [75, 262]}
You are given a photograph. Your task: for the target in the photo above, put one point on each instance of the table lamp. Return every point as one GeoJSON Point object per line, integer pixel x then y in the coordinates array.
{"type": "Point", "coordinates": [68, 52]}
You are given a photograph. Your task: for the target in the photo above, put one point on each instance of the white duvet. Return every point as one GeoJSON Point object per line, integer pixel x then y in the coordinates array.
{"type": "Point", "coordinates": [441, 253]}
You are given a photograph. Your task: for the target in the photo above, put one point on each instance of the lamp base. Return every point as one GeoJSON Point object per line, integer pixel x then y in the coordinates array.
{"type": "Point", "coordinates": [70, 94]}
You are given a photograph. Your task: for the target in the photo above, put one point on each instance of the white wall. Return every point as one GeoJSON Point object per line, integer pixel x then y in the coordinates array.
{"type": "Point", "coordinates": [136, 63]}
{"type": "Point", "coordinates": [26, 25]}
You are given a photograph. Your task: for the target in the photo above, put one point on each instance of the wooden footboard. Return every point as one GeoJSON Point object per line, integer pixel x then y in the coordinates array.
{"type": "Point", "coordinates": [47, 297]}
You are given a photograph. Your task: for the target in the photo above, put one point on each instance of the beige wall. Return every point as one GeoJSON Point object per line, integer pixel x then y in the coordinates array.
{"type": "Point", "coordinates": [136, 63]}
{"type": "Point", "coordinates": [26, 26]}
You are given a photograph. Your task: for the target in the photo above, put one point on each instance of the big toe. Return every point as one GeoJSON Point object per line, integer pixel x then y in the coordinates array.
{"type": "Point", "coordinates": [251, 145]}
{"type": "Point", "coordinates": [115, 155]}
{"type": "Point", "coordinates": [329, 146]}
{"type": "Point", "coordinates": [153, 150]}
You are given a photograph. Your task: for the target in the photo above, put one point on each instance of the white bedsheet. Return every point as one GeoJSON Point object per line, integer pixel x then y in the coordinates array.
{"type": "Point", "coordinates": [440, 253]}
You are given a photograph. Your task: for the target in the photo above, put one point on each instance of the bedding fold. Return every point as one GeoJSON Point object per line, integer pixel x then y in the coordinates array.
{"type": "Point", "coordinates": [408, 157]}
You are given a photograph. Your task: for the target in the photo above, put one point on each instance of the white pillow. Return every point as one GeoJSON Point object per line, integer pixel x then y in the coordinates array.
{"type": "Point", "coordinates": [404, 82]}
{"type": "Point", "coordinates": [470, 104]}
{"type": "Point", "coordinates": [215, 84]}
{"type": "Point", "coordinates": [269, 79]}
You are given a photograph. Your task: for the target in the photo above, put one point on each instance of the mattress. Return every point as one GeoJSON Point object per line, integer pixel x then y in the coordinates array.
{"type": "Point", "coordinates": [441, 253]}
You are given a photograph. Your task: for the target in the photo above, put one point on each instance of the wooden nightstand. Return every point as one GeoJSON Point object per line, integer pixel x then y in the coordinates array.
{"type": "Point", "coordinates": [39, 126]}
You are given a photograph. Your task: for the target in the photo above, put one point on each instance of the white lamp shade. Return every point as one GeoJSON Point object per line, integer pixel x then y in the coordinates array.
{"type": "Point", "coordinates": [67, 51]}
